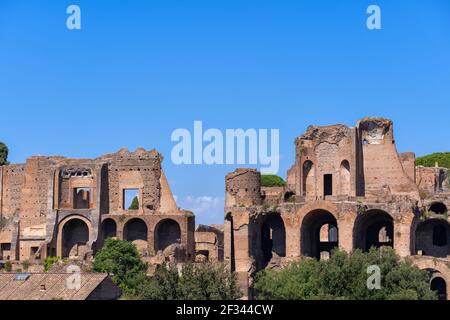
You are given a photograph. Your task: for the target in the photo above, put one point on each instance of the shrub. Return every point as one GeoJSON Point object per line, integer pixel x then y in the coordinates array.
{"type": "Point", "coordinates": [442, 158]}
{"type": "Point", "coordinates": [344, 277]}
{"type": "Point", "coordinates": [49, 262]}
{"type": "Point", "coordinates": [8, 266]}
{"type": "Point", "coordinates": [271, 180]}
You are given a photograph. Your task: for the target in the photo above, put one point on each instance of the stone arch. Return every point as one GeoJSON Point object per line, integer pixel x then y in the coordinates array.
{"type": "Point", "coordinates": [272, 238]}
{"type": "Point", "coordinates": [167, 232]}
{"type": "Point", "coordinates": [439, 285]}
{"type": "Point", "coordinates": [313, 243]}
{"type": "Point", "coordinates": [74, 237]}
{"type": "Point", "coordinates": [344, 178]}
{"type": "Point", "coordinates": [109, 229]}
{"type": "Point", "coordinates": [438, 208]}
{"type": "Point", "coordinates": [136, 232]}
{"type": "Point", "coordinates": [309, 180]}
{"type": "Point", "coordinates": [374, 228]}
{"type": "Point", "coordinates": [432, 238]}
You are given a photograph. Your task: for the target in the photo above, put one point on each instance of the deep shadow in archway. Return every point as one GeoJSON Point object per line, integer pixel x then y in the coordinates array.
{"type": "Point", "coordinates": [75, 238]}
{"type": "Point", "coordinates": [167, 232]}
{"type": "Point", "coordinates": [374, 229]}
{"type": "Point", "coordinates": [273, 238]}
{"type": "Point", "coordinates": [432, 238]}
{"type": "Point", "coordinates": [319, 234]}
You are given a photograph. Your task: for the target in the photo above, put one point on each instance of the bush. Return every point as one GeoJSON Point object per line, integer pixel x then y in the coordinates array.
{"type": "Point", "coordinates": [134, 204]}
{"type": "Point", "coordinates": [193, 282]}
{"type": "Point", "coordinates": [271, 180]}
{"type": "Point", "coordinates": [49, 262]}
{"type": "Point", "coordinates": [3, 154]}
{"type": "Point", "coordinates": [8, 266]}
{"type": "Point", "coordinates": [344, 277]}
{"type": "Point", "coordinates": [442, 158]}
{"type": "Point", "coordinates": [122, 261]}
{"type": "Point", "coordinates": [26, 265]}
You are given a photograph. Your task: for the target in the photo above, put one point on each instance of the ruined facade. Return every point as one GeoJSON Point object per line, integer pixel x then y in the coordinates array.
{"type": "Point", "coordinates": [350, 189]}
{"type": "Point", "coordinates": [55, 206]}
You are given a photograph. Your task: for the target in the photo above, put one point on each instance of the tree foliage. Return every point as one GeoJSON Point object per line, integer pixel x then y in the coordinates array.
{"type": "Point", "coordinates": [442, 158]}
{"type": "Point", "coordinates": [344, 277]}
{"type": "Point", "coordinates": [122, 261]}
{"type": "Point", "coordinates": [271, 180]}
{"type": "Point", "coordinates": [3, 154]}
{"type": "Point", "coordinates": [134, 204]}
{"type": "Point", "coordinates": [192, 282]}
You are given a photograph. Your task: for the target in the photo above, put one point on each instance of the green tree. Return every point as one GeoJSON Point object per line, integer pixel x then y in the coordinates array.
{"type": "Point", "coordinates": [442, 158]}
{"type": "Point", "coordinates": [344, 277]}
{"type": "Point", "coordinates": [3, 154]}
{"type": "Point", "coordinates": [271, 180]}
{"type": "Point", "coordinates": [122, 261]}
{"type": "Point", "coordinates": [134, 204]}
{"type": "Point", "coordinates": [193, 282]}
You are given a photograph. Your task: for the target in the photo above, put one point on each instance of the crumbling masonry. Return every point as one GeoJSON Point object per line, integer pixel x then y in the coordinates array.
{"type": "Point", "coordinates": [348, 189]}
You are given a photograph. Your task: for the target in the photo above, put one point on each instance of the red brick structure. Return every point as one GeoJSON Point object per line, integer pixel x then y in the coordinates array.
{"type": "Point", "coordinates": [349, 188]}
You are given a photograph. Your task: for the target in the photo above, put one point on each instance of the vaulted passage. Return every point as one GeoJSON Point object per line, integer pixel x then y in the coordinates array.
{"type": "Point", "coordinates": [344, 178]}
{"type": "Point", "coordinates": [439, 286]}
{"type": "Point", "coordinates": [319, 234]}
{"type": "Point", "coordinates": [374, 229]}
{"type": "Point", "coordinates": [433, 238]}
{"type": "Point", "coordinates": [109, 229]}
{"type": "Point", "coordinates": [75, 238]}
{"type": "Point", "coordinates": [273, 238]}
{"type": "Point", "coordinates": [167, 232]}
{"type": "Point", "coordinates": [135, 229]}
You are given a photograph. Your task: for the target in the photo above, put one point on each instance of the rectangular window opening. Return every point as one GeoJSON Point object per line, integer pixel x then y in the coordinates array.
{"type": "Point", "coordinates": [131, 199]}
{"type": "Point", "coordinates": [328, 184]}
{"type": "Point", "coordinates": [82, 198]}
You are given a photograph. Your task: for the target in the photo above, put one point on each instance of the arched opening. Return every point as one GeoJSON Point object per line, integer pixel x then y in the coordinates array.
{"type": "Point", "coordinates": [167, 233]}
{"type": "Point", "coordinates": [319, 234]}
{"type": "Point", "coordinates": [135, 229]}
{"type": "Point", "coordinates": [309, 183]}
{"type": "Point", "coordinates": [344, 176]}
{"type": "Point", "coordinates": [109, 229]}
{"type": "Point", "coordinates": [438, 208]}
{"type": "Point", "coordinates": [374, 229]}
{"type": "Point", "coordinates": [75, 238]}
{"type": "Point", "coordinates": [432, 238]}
{"type": "Point", "coordinates": [273, 238]}
{"type": "Point", "coordinates": [439, 286]}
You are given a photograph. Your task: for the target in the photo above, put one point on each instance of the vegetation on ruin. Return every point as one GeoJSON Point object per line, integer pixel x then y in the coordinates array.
{"type": "Point", "coordinates": [49, 262]}
{"type": "Point", "coordinates": [271, 180]}
{"type": "Point", "coordinates": [8, 266]}
{"type": "Point", "coordinates": [192, 282]}
{"type": "Point", "coordinates": [344, 277]}
{"type": "Point", "coordinates": [122, 261]}
{"type": "Point", "coordinates": [442, 158]}
{"type": "Point", "coordinates": [3, 154]}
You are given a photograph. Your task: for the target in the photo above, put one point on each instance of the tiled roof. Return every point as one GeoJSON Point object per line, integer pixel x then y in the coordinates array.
{"type": "Point", "coordinates": [47, 286]}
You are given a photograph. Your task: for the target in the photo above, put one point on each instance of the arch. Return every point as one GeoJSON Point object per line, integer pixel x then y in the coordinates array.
{"type": "Point", "coordinates": [439, 285]}
{"type": "Point", "coordinates": [433, 238]}
{"type": "Point", "coordinates": [373, 229]}
{"type": "Point", "coordinates": [74, 235]}
{"type": "Point", "coordinates": [167, 232]}
{"type": "Point", "coordinates": [319, 234]}
{"type": "Point", "coordinates": [309, 183]}
{"type": "Point", "coordinates": [344, 178]}
{"type": "Point", "coordinates": [273, 238]}
{"type": "Point", "coordinates": [135, 229]}
{"type": "Point", "coordinates": [109, 229]}
{"type": "Point", "coordinates": [438, 208]}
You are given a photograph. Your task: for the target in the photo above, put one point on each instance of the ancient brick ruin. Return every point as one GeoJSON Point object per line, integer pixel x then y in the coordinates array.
{"type": "Point", "coordinates": [54, 206]}
{"type": "Point", "coordinates": [349, 188]}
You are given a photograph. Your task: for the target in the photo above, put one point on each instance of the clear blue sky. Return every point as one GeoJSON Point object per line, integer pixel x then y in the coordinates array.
{"type": "Point", "coordinates": [140, 69]}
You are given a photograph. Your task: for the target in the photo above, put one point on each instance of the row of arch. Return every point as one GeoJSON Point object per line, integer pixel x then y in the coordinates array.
{"type": "Point", "coordinates": [373, 229]}
{"type": "Point", "coordinates": [75, 234]}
